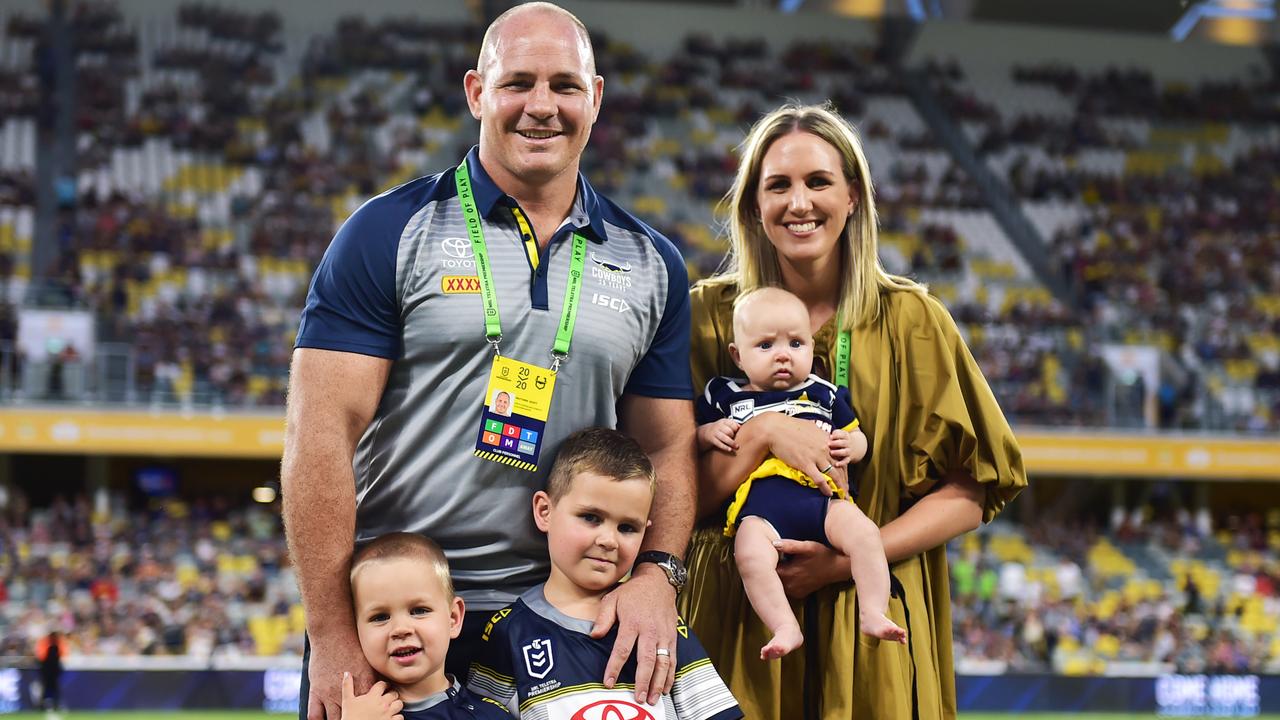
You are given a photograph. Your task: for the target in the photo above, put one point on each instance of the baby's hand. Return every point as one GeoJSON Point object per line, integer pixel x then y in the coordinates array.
{"type": "Point", "coordinates": [838, 446]}
{"type": "Point", "coordinates": [380, 703]}
{"type": "Point", "coordinates": [718, 434]}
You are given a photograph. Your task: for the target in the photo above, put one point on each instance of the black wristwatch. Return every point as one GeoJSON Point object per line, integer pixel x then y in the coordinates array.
{"type": "Point", "coordinates": [670, 564]}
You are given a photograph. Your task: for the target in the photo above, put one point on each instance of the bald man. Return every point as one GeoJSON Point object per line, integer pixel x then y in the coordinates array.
{"type": "Point", "coordinates": [434, 294]}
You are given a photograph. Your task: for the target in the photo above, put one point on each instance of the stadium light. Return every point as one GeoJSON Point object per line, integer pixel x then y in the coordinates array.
{"type": "Point", "coordinates": [265, 493]}
{"type": "Point", "coordinates": [1259, 10]}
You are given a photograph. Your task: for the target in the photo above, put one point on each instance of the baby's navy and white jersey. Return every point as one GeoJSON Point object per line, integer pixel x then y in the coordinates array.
{"type": "Point", "coordinates": [814, 399]}
{"type": "Point", "coordinates": [544, 665]}
{"type": "Point", "coordinates": [399, 283]}
{"type": "Point", "coordinates": [455, 703]}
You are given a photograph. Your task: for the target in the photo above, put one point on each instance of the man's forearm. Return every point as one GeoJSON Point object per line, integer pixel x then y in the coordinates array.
{"type": "Point", "coordinates": [320, 519]}
{"type": "Point", "coordinates": [667, 433]}
{"type": "Point", "coordinates": [675, 501]}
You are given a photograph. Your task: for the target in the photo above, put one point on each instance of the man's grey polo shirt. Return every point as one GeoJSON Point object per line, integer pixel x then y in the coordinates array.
{"type": "Point", "coordinates": [398, 282]}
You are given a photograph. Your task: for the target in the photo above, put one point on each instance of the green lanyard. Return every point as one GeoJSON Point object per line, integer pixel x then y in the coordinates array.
{"type": "Point", "coordinates": [844, 343]}
{"type": "Point", "coordinates": [489, 293]}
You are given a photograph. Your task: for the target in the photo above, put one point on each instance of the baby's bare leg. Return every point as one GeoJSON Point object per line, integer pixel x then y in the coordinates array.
{"type": "Point", "coordinates": [757, 560]}
{"type": "Point", "coordinates": [854, 535]}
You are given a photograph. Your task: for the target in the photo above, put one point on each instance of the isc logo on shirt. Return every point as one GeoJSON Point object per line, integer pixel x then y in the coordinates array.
{"type": "Point", "coordinates": [613, 303]}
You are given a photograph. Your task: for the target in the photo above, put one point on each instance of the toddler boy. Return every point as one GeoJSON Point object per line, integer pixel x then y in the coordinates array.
{"type": "Point", "coordinates": [406, 614]}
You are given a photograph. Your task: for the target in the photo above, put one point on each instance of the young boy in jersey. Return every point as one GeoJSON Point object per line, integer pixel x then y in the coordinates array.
{"type": "Point", "coordinates": [537, 655]}
{"type": "Point", "coordinates": [406, 614]}
{"type": "Point", "coordinates": [774, 348]}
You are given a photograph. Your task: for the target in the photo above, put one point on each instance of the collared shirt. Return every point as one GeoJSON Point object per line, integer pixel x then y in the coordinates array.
{"type": "Point", "coordinates": [454, 703]}
{"type": "Point", "coordinates": [399, 282]}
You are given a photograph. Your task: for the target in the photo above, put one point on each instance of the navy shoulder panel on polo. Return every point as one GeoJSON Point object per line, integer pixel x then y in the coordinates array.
{"type": "Point", "coordinates": [352, 304]}
{"type": "Point", "coordinates": [664, 371]}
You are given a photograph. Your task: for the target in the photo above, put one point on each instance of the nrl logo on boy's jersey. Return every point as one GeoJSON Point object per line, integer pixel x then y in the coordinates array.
{"type": "Point", "coordinates": [538, 659]}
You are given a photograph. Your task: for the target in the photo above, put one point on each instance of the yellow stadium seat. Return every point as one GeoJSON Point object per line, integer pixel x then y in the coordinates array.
{"type": "Point", "coordinates": [226, 564]}
{"type": "Point", "coordinates": [220, 530]}
{"type": "Point", "coordinates": [1108, 646]}
{"type": "Point", "coordinates": [1077, 666]}
{"type": "Point", "coordinates": [187, 575]}
{"type": "Point", "coordinates": [297, 618]}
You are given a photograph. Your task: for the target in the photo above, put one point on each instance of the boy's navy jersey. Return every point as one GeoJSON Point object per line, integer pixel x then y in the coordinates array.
{"type": "Point", "coordinates": [455, 703]}
{"type": "Point", "coordinates": [543, 664]}
{"type": "Point", "coordinates": [814, 399]}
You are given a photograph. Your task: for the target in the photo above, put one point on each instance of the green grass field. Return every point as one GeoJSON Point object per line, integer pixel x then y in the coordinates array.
{"type": "Point", "coordinates": [250, 715]}
{"type": "Point", "coordinates": [231, 715]}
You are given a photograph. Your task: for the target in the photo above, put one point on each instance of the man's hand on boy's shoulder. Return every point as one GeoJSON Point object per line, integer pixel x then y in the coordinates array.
{"type": "Point", "coordinates": [644, 609]}
{"type": "Point", "coordinates": [380, 703]}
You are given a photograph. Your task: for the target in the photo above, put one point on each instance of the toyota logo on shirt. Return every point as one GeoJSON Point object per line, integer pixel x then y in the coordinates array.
{"type": "Point", "coordinates": [612, 710]}
{"type": "Point", "coordinates": [456, 247]}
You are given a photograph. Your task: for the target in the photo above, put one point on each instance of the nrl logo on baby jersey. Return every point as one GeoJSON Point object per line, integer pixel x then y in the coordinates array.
{"type": "Point", "coordinates": [538, 659]}
{"type": "Point", "coordinates": [741, 410]}
{"type": "Point", "coordinates": [611, 274]}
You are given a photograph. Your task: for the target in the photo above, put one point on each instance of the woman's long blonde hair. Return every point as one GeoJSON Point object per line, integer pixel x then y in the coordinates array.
{"type": "Point", "coordinates": [752, 261]}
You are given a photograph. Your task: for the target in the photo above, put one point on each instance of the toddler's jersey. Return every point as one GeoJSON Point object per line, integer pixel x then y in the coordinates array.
{"type": "Point", "coordinates": [455, 703]}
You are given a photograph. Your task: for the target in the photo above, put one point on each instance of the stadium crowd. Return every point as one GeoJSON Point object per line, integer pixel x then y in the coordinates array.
{"type": "Point", "coordinates": [174, 578]}
{"type": "Point", "coordinates": [1174, 241]}
{"type": "Point", "coordinates": [187, 270]}
{"type": "Point", "coordinates": [205, 199]}
{"type": "Point", "coordinates": [1074, 598]}
{"type": "Point", "coordinates": [210, 578]}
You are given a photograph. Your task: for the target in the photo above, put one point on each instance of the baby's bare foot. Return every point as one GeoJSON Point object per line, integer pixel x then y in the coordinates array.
{"type": "Point", "coordinates": [877, 625]}
{"type": "Point", "coordinates": [783, 642]}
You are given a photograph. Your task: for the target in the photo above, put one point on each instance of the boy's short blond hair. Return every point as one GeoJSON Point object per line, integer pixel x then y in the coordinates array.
{"type": "Point", "coordinates": [602, 451]}
{"type": "Point", "coordinates": [405, 546]}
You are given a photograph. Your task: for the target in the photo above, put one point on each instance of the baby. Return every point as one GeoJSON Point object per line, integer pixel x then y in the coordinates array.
{"type": "Point", "coordinates": [774, 348]}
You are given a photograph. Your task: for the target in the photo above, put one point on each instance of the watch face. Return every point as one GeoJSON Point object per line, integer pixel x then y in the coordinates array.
{"type": "Point", "coordinates": [675, 571]}
{"type": "Point", "coordinates": [679, 574]}
{"type": "Point", "coordinates": [670, 564]}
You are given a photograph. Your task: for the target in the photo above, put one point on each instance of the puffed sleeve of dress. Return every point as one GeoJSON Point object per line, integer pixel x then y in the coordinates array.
{"type": "Point", "coordinates": [947, 417]}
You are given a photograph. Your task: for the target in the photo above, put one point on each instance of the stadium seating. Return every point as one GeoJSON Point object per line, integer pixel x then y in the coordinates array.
{"type": "Point", "coordinates": [209, 578]}
{"type": "Point", "coordinates": [1150, 596]}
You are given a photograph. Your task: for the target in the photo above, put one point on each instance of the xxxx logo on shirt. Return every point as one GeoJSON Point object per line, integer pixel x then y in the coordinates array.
{"type": "Point", "coordinates": [459, 284]}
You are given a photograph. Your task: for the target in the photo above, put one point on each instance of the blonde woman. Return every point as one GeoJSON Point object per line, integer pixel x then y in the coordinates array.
{"type": "Point", "coordinates": [942, 458]}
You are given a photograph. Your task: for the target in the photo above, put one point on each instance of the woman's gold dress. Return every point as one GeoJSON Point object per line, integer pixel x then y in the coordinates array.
{"type": "Point", "coordinates": [926, 409]}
